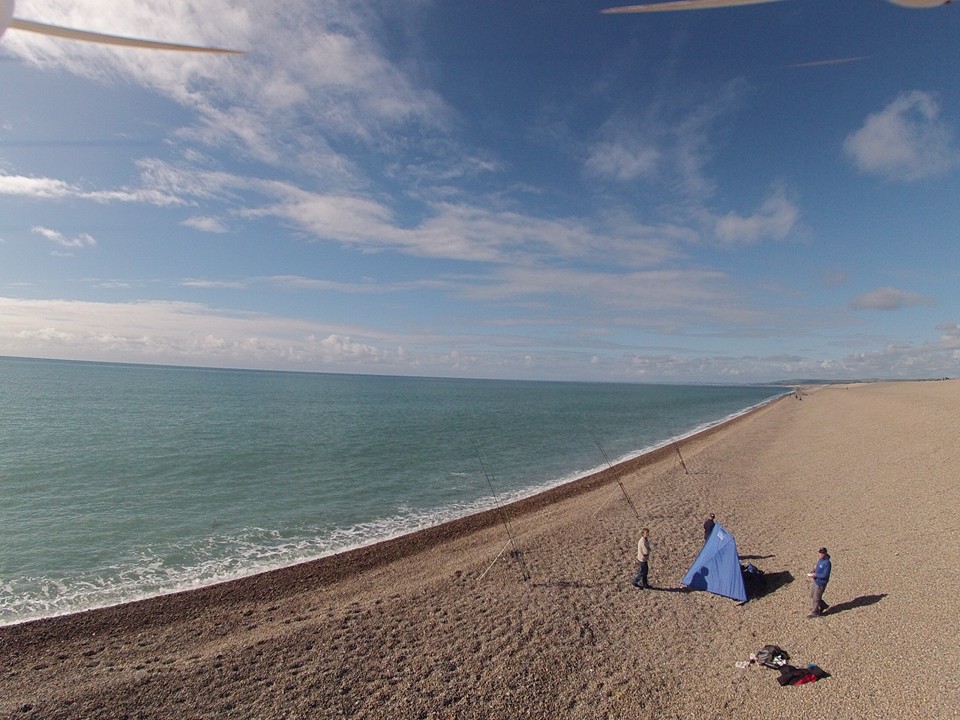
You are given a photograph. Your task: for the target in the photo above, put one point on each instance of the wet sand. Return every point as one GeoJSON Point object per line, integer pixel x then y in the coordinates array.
{"type": "Point", "coordinates": [440, 624]}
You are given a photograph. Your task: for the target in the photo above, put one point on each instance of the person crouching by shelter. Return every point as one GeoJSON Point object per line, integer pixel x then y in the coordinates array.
{"type": "Point", "coordinates": [820, 577]}
{"type": "Point", "coordinates": [643, 557]}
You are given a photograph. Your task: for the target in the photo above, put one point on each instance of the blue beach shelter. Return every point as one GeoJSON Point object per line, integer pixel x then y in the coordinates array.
{"type": "Point", "coordinates": [717, 567]}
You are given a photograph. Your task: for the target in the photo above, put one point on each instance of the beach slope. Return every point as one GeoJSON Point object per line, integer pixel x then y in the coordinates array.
{"type": "Point", "coordinates": [442, 624]}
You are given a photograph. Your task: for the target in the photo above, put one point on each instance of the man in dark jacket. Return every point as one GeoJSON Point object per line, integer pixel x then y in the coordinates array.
{"type": "Point", "coordinates": [708, 526]}
{"type": "Point", "coordinates": [820, 577]}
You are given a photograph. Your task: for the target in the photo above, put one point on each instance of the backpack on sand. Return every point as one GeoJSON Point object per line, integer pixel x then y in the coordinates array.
{"type": "Point", "coordinates": [772, 656]}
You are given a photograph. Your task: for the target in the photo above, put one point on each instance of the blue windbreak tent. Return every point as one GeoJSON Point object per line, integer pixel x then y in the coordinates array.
{"type": "Point", "coordinates": [717, 567]}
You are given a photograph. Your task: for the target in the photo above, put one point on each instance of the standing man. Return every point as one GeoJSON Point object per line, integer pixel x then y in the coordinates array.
{"type": "Point", "coordinates": [708, 526]}
{"type": "Point", "coordinates": [643, 556]}
{"type": "Point", "coordinates": [820, 577]}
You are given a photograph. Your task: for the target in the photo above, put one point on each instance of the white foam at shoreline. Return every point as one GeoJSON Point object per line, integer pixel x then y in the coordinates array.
{"type": "Point", "coordinates": [256, 550]}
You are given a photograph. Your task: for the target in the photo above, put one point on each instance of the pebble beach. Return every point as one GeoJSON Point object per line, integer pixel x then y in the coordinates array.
{"type": "Point", "coordinates": [443, 624]}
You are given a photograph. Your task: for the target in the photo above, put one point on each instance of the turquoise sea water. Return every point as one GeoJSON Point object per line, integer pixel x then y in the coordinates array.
{"type": "Point", "coordinates": [120, 482]}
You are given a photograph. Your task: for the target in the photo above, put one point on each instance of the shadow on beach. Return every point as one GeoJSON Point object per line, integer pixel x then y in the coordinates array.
{"type": "Point", "coordinates": [862, 601]}
{"type": "Point", "coordinates": [769, 583]}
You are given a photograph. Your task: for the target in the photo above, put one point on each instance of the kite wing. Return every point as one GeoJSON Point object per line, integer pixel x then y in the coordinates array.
{"type": "Point", "coordinates": [682, 5]}
{"type": "Point", "coordinates": [708, 4]}
{"type": "Point", "coordinates": [71, 34]}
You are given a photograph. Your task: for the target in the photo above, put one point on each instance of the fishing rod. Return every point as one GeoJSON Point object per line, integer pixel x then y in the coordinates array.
{"type": "Point", "coordinates": [617, 476]}
{"type": "Point", "coordinates": [515, 551]}
{"type": "Point", "coordinates": [685, 470]}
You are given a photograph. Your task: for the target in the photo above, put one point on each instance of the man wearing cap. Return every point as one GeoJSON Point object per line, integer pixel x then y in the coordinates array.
{"type": "Point", "coordinates": [820, 577]}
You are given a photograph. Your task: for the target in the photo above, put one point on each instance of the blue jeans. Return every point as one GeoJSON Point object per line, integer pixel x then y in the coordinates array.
{"type": "Point", "coordinates": [641, 578]}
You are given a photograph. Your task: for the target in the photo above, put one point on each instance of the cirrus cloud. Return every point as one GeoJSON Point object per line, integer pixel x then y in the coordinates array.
{"type": "Point", "coordinates": [80, 241]}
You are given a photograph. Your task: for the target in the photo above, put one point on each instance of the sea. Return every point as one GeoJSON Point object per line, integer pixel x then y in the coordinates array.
{"type": "Point", "coordinates": [120, 482]}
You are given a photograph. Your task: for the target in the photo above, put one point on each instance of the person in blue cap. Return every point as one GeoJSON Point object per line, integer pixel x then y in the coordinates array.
{"type": "Point", "coordinates": [820, 577]}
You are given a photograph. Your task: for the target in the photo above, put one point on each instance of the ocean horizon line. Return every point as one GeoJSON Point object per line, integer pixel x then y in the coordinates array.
{"type": "Point", "coordinates": [294, 371]}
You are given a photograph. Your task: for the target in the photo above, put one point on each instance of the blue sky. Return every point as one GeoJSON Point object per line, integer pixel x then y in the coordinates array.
{"type": "Point", "coordinates": [490, 189]}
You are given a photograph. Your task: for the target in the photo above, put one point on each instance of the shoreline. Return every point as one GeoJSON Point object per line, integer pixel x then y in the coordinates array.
{"type": "Point", "coordinates": [334, 567]}
{"type": "Point", "coordinates": [418, 628]}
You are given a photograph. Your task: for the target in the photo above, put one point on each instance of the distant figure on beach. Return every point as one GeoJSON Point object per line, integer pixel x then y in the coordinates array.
{"type": "Point", "coordinates": [819, 577]}
{"type": "Point", "coordinates": [643, 557]}
{"type": "Point", "coordinates": [708, 526]}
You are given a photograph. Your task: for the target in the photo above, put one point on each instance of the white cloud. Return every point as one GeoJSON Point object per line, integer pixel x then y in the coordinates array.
{"type": "Point", "coordinates": [178, 333]}
{"type": "Point", "coordinates": [905, 141]}
{"type": "Point", "coordinates": [622, 161]}
{"type": "Point", "coordinates": [667, 301]}
{"type": "Point", "coordinates": [215, 284]}
{"type": "Point", "coordinates": [284, 103]}
{"type": "Point", "coordinates": [775, 219]}
{"type": "Point", "coordinates": [332, 81]}
{"type": "Point", "coordinates": [182, 22]}
{"type": "Point", "coordinates": [339, 348]}
{"type": "Point", "coordinates": [368, 287]}
{"type": "Point", "coordinates": [888, 298]}
{"type": "Point", "coordinates": [34, 187]}
{"type": "Point", "coordinates": [205, 224]}
{"type": "Point", "coordinates": [669, 144]}
{"type": "Point", "coordinates": [457, 231]}
{"type": "Point", "coordinates": [80, 241]}
{"type": "Point", "coordinates": [895, 361]}
{"type": "Point", "coordinates": [50, 188]}
{"type": "Point", "coordinates": [951, 334]}
{"type": "Point", "coordinates": [191, 334]}
{"type": "Point", "coordinates": [351, 122]}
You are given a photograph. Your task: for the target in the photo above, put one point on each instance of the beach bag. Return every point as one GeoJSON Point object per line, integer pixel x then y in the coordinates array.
{"type": "Point", "coordinates": [772, 656]}
{"type": "Point", "coordinates": [753, 580]}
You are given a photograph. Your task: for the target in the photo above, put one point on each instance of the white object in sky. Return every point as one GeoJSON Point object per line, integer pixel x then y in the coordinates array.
{"type": "Point", "coordinates": [706, 4]}
{"type": "Point", "coordinates": [7, 20]}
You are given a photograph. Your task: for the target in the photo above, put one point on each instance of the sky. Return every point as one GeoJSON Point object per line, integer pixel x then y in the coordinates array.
{"type": "Point", "coordinates": [495, 189]}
